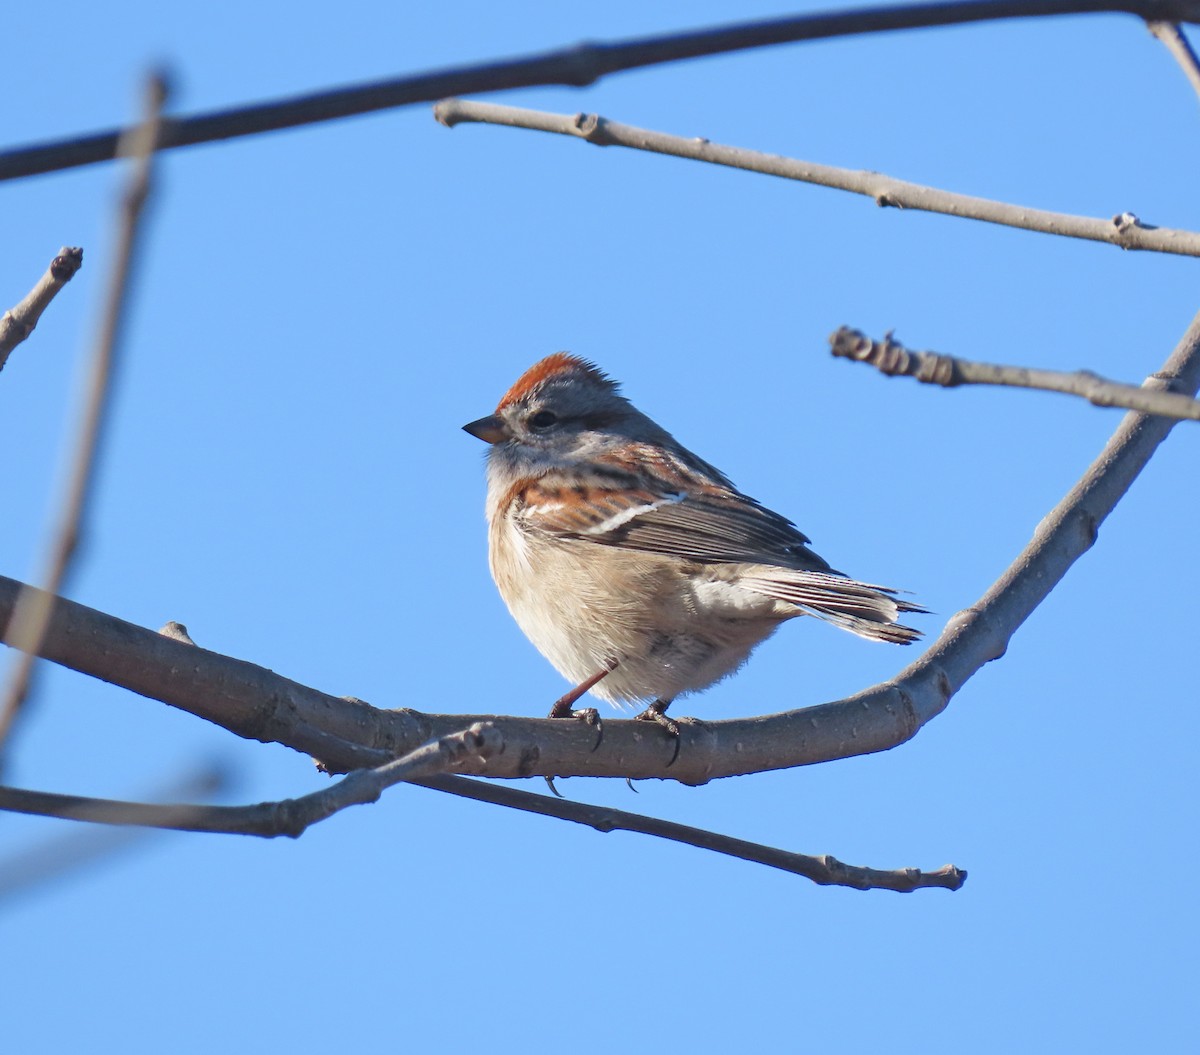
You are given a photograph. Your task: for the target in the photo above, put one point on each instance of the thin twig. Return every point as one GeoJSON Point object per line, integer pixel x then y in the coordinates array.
{"type": "Point", "coordinates": [890, 357]}
{"type": "Point", "coordinates": [1125, 230]}
{"type": "Point", "coordinates": [32, 615]}
{"type": "Point", "coordinates": [18, 322]}
{"type": "Point", "coordinates": [823, 869]}
{"type": "Point", "coordinates": [1177, 44]}
{"type": "Point", "coordinates": [290, 817]}
{"type": "Point", "coordinates": [573, 66]}
{"type": "Point", "coordinates": [35, 867]}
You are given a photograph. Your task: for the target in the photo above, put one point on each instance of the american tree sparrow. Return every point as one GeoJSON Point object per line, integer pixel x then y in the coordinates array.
{"type": "Point", "coordinates": [636, 568]}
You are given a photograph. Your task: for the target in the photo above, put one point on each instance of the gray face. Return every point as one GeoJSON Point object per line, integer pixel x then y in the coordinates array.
{"type": "Point", "coordinates": [572, 419]}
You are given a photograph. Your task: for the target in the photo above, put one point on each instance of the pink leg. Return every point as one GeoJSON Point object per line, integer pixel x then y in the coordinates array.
{"type": "Point", "coordinates": [563, 705]}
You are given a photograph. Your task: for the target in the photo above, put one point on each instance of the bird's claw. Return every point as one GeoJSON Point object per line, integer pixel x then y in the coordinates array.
{"type": "Point", "coordinates": [587, 715]}
{"type": "Point", "coordinates": [655, 713]}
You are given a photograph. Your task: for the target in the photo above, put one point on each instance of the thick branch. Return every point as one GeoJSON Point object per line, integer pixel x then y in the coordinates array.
{"type": "Point", "coordinates": [893, 359]}
{"type": "Point", "coordinates": [1125, 231]}
{"type": "Point", "coordinates": [18, 322]}
{"type": "Point", "coordinates": [345, 733]}
{"type": "Point", "coordinates": [32, 612]}
{"type": "Point", "coordinates": [576, 66]}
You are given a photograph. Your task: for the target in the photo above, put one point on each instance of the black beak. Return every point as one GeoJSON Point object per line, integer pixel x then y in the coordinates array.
{"type": "Point", "coordinates": [490, 429]}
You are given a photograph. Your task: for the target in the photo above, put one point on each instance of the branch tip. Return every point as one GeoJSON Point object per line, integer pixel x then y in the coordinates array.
{"type": "Point", "coordinates": [68, 261]}
{"type": "Point", "coordinates": [19, 322]}
{"type": "Point", "coordinates": [890, 357]}
{"type": "Point", "coordinates": [893, 359]}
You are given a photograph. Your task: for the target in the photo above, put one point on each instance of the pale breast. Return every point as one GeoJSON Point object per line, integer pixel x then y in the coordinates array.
{"type": "Point", "coordinates": [584, 605]}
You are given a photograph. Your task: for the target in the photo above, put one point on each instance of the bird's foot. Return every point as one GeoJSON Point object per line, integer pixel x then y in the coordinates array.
{"type": "Point", "coordinates": [656, 713]}
{"type": "Point", "coordinates": [587, 715]}
{"type": "Point", "coordinates": [564, 706]}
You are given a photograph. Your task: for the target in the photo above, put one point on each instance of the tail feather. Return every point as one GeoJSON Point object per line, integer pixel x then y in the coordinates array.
{"type": "Point", "coordinates": [864, 609]}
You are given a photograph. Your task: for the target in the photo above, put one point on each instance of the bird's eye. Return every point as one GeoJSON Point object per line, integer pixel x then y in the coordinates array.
{"type": "Point", "coordinates": [543, 419]}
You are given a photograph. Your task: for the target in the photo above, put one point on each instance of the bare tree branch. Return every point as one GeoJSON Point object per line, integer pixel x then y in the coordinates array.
{"type": "Point", "coordinates": [1125, 230]}
{"type": "Point", "coordinates": [290, 817]}
{"type": "Point", "coordinates": [1177, 44]}
{"type": "Point", "coordinates": [823, 869]}
{"type": "Point", "coordinates": [890, 357]}
{"type": "Point", "coordinates": [575, 66]}
{"type": "Point", "coordinates": [18, 322]}
{"type": "Point", "coordinates": [32, 614]}
{"type": "Point", "coordinates": [346, 733]}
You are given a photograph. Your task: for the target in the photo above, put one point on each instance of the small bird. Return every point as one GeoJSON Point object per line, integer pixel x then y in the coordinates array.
{"type": "Point", "coordinates": [635, 567]}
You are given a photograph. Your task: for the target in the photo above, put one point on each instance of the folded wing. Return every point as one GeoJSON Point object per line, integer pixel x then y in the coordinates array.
{"type": "Point", "coordinates": [675, 515]}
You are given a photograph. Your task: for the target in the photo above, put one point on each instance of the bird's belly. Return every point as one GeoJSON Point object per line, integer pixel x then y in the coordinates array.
{"type": "Point", "coordinates": [584, 606]}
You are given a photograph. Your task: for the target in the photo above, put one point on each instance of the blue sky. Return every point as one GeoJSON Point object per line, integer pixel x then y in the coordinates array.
{"type": "Point", "coordinates": [316, 314]}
